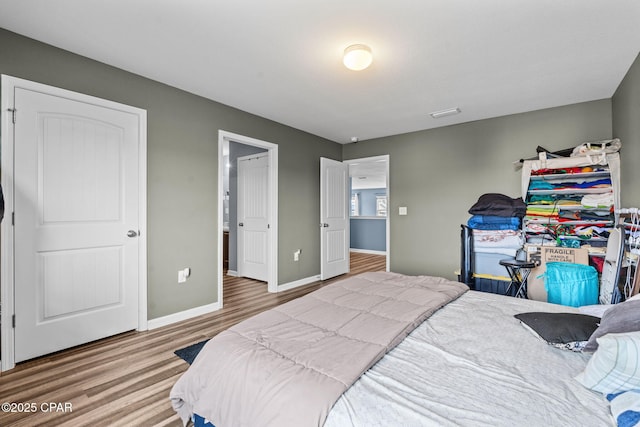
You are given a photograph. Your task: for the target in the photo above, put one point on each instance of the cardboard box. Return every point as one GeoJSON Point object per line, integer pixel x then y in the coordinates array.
{"type": "Point", "coordinates": [543, 255]}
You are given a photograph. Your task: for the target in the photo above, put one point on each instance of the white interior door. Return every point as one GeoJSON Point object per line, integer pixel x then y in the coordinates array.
{"type": "Point", "coordinates": [76, 183]}
{"type": "Point", "coordinates": [334, 218]}
{"type": "Point", "coordinates": [253, 216]}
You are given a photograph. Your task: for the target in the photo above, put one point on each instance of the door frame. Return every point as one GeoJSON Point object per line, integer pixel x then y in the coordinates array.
{"type": "Point", "coordinates": [7, 275]}
{"type": "Point", "coordinates": [272, 246]}
{"type": "Point", "coordinates": [387, 159]}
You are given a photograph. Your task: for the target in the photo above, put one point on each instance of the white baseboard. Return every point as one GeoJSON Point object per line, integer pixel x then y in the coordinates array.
{"type": "Point", "coordinates": [232, 273]}
{"type": "Point", "coordinates": [367, 251]}
{"type": "Point", "coordinates": [297, 283]}
{"type": "Point", "coordinates": [182, 315]}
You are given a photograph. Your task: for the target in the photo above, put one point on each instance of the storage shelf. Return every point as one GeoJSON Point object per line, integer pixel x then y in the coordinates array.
{"type": "Point", "coordinates": [557, 208]}
{"type": "Point", "coordinates": [601, 190]}
{"type": "Point", "coordinates": [548, 221]}
{"type": "Point", "coordinates": [592, 239]}
{"type": "Point", "coordinates": [570, 176]}
{"type": "Point", "coordinates": [566, 187]}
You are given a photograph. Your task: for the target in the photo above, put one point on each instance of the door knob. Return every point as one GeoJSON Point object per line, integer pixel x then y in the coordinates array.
{"type": "Point", "coordinates": [241, 224]}
{"type": "Point", "coordinates": [131, 233]}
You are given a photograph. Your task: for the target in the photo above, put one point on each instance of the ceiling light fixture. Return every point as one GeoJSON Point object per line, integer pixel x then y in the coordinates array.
{"type": "Point", "coordinates": [444, 113]}
{"type": "Point", "coordinates": [357, 57]}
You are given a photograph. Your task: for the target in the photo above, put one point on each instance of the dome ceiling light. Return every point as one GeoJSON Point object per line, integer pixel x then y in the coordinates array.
{"type": "Point", "coordinates": [357, 57]}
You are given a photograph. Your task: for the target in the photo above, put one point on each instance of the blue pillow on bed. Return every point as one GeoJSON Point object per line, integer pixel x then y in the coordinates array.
{"type": "Point", "coordinates": [625, 408]}
{"type": "Point", "coordinates": [199, 421]}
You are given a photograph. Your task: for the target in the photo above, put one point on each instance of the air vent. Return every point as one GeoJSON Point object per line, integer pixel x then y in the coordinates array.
{"type": "Point", "coordinates": [445, 113]}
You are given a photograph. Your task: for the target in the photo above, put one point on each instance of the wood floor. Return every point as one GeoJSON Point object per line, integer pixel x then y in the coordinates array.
{"type": "Point", "coordinates": [125, 380]}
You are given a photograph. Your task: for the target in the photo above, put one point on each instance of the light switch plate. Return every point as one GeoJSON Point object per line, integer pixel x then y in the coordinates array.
{"type": "Point", "coordinates": [402, 210]}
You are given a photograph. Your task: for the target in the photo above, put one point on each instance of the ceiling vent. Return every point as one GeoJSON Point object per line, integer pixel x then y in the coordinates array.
{"type": "Point", "coordinates": [445, 113]}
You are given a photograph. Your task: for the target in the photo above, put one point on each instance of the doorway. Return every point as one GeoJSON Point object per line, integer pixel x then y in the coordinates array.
{"type": "Point", "coordinates": [337, 204]}
{"type": "Point", "coordinates": [368, 208]}
{"type": "Point", "coordinates": [227, 206]}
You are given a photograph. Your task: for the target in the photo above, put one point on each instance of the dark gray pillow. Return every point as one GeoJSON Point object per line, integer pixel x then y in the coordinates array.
{"type": "Point", "coordinates": [623, 317]}
{"type": "Point", "coordinates": [560, 328]}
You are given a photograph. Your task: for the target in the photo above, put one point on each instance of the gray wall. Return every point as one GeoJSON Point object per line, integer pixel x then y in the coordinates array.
{"type": "Point", "coordinates": [182, 170]}
{"type": "Point", "coordinates": [626, 126]}
{"type": "Point", "coordinates": [438, 174]}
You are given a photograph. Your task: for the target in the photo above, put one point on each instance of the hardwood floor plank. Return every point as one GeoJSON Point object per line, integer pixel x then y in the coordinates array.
{"type": "Point", "coordinates": [125, 380]}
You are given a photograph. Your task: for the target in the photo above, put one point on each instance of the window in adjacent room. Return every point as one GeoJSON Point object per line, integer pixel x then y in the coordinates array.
{"type": "Point", "coordinates": [381, 205]}
{"type": "Point", "coordinates": [355, 204]}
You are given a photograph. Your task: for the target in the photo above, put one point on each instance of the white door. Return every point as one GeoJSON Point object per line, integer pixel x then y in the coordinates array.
{"type": "Point", "coordinates": [253, 216]}
{"type": "Point", "coordinates": [76, 188]}
{"type": "Point", "coordinates": [334, 218]}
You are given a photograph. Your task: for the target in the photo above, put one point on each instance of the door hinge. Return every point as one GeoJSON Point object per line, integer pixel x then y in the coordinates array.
{"type": "Point", "coordinates": [13, 218]}
{"type": "Point", "coordinates": [13, 321]}
{"type": "Point", "coordinates": [13, 114]}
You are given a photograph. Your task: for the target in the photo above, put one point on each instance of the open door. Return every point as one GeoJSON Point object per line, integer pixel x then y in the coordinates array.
{"type": "Point", "coordinates": [334, 218]}
{"type": "Point", "coordinates": [253, 216]}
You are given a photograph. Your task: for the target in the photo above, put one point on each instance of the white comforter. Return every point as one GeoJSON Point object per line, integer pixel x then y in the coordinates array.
{"type": "Point", "coordinates": [473, 364]}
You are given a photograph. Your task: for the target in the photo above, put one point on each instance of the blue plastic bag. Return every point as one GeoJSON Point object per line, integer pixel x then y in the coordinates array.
{"type": "Point", "coordinates": [571, 284]}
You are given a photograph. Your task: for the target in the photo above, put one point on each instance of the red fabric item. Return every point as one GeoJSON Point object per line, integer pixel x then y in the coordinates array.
{"type": "Point", "coordinates": [597, 262]}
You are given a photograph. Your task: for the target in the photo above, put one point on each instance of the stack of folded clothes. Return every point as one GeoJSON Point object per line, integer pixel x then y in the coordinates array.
{"type": "Point", "coordinates": [495, 211]}
{"type": "Point", "coordinates": [552, 216]}
{"type": "Point", "coordinates": [604, 184]}
{"type": "Point", "coordinates": [495, 221]}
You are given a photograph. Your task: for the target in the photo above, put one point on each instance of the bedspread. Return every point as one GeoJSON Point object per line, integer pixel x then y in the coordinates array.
{"type": "Point", "coordinates": [287, 366]}
{"type": "Point", "coordinates": [473, 364]}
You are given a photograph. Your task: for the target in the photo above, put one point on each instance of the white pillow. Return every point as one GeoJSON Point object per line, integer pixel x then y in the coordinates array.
{"type": "Point", "coordinates": [615, 366]}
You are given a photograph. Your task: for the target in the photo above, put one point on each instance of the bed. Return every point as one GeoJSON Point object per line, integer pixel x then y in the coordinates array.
{"type": "Point", "coordinates": [463, 360]}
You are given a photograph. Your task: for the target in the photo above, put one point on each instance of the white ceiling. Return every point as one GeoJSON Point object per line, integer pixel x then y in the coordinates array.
{"type": "Point", "coordinates": [281, 59]}
{"type": "Point", "coordinates": [368, 173]}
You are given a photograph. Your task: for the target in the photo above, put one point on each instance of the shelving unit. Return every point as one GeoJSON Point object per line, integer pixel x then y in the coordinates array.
{"type": "Point", "coordinates": [549, 231]}
{"type": "Point", "coordinates": [546, 228]}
